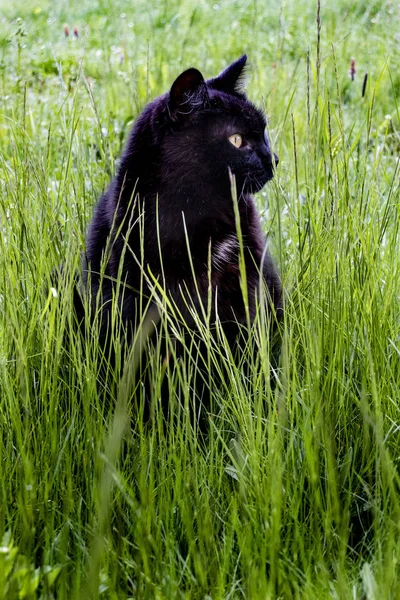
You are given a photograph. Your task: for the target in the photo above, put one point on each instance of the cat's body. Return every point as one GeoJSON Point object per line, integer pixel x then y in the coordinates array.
{"type": "Point", "coordinates": [172, 189]}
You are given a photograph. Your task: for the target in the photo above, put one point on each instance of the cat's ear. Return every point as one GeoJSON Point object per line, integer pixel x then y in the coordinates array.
{"type": "Point", "coordinates": [232, 79]}
{"type": "Point", "coordinates": [188, 92]}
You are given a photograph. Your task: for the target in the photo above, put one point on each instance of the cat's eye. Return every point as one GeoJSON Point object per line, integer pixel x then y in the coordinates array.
{"type": "Point", "coordinates": [236, 140]}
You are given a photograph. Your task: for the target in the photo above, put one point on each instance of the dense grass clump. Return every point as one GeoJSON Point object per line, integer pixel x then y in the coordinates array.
{"type": "Point", "coordinates": [294, 492]}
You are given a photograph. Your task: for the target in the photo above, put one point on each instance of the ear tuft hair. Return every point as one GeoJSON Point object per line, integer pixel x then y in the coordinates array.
{"type": "Point", "coordinates": [188, 92]}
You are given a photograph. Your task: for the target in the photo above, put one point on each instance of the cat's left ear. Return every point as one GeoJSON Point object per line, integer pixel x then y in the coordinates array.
{"type": "Point", "coordinates": [231, 80]}
{"type": "Point", "coordinates": [188, 92]}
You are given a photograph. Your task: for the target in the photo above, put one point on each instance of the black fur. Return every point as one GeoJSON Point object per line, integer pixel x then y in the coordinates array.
{"type": "Point", "coordinates": [173, 186]}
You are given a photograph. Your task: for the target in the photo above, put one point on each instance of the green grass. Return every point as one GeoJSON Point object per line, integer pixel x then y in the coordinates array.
{"type": "Point", "coordinates": [295, 493]}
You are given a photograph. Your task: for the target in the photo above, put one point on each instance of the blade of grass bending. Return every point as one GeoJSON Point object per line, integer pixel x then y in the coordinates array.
{"type": "Point", "coordinates": [242, 263]}
{"type": "Point", "coordinates": [112, 450]}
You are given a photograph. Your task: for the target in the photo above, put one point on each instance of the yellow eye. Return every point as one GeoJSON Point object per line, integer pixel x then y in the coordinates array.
{"type": "Point", "coordinates": [236, 140]}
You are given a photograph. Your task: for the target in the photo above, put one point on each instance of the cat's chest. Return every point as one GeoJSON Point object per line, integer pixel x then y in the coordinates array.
{"type": "Point", "coordinates": [225, 254]}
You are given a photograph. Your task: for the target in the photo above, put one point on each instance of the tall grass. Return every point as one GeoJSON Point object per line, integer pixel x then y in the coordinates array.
{"type": "Point", "coordinates": [294, 492]}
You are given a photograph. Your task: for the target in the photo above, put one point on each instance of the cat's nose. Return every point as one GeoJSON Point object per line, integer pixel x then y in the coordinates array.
{"type": "Point", "coordinates": [271, 157]}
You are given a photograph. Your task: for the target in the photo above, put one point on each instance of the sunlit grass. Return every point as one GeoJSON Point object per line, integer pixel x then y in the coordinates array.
{"type": "Point", "coordinates": [294, 490]}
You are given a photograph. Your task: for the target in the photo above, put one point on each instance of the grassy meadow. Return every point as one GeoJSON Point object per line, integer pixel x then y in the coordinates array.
{"type": "Point", "coordinates": [294, 493]}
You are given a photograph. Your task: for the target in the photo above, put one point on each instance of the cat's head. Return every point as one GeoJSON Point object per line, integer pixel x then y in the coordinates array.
{"type": "Point", "coordinates": [210, 126]}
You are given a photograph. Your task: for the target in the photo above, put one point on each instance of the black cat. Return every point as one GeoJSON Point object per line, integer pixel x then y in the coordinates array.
{"type": "Point", "coordinates": [169, 214]}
